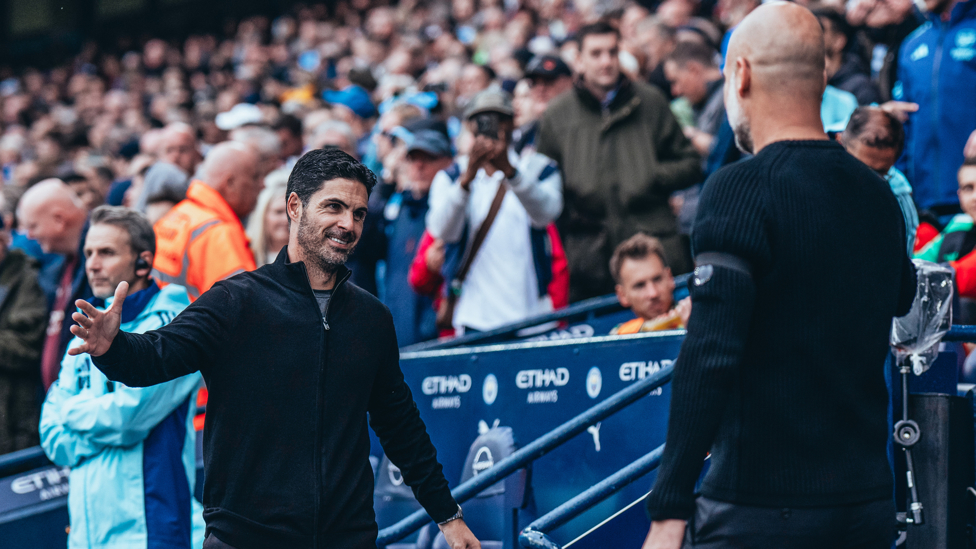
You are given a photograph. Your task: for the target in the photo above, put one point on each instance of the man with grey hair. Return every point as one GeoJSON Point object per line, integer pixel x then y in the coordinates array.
{"type": "Point", "coordinates": [53, 215]}
{"type": "Point", "coordinates": [335, 133]}
{"type": "Point", "coordinates": [132, 451]}
{"type": "Point", "coordinates": [263, 140]}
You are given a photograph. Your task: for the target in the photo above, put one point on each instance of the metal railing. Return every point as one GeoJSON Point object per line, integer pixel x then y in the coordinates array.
{"type": "Point", "coordinates": [576, 312]}
{"type": "Point", "coordinates": [535, 535]}
{"type": "Point", "coordinates": [533, 451]}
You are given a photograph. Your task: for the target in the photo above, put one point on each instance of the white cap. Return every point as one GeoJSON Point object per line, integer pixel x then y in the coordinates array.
{"type": "Point", "coordinates": [239, 115]}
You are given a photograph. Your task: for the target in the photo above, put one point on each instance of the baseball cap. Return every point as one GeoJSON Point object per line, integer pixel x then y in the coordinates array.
{"type": "Point", "coordinates": [547, 66]}
{"type": "Point", "coordinates": [431, 142]}
{"type": "Point", "coordinates": [490, 100]}
{"type": "Point", "coordinates": [239, 115]}
{"type": "Point", "coordinates": [356, 98]}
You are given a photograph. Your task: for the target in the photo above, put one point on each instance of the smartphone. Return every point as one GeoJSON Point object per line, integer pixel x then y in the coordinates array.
{"type": "Point", "coordinates": [487, 123]}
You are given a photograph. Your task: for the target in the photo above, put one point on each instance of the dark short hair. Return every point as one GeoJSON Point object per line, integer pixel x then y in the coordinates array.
{"type": "Point", "coordinates": [598, 28]}
{"type": "Point", "coordinates": [686, 52]}
{"type": "Point", "coordinates": [289, 122]}
{"type": "Point", "coordinates": [640, 246]}
{"type": "Point", "coordinates": [968, 162]}
{"type": "Point", "coordinates": [839, 22]}
{"type": "Point", "coordinates": [166, 194]}
{"type": "Point", "coordinates": [894, 138]}
{"type": "Point", "coordinates": [320, 165]}
{"type": "Point", "coordinates": [141, 235]}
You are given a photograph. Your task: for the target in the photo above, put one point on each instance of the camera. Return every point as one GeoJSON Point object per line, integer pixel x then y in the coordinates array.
{"type": "Point", "coordinates": [487, 123]}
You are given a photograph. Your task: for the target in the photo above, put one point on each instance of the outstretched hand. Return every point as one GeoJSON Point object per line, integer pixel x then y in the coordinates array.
{"type": "Point", "coordinates": [97, 328]}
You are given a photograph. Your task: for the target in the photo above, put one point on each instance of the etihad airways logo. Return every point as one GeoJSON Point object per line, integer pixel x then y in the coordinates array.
{"type": "Point", "coordinates": [444, 385]}
{"type": "Point", "coordinates": [528, 379]}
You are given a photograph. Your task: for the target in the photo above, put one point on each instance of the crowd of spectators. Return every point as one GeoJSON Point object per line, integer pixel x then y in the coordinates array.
{"type": "Point", "coordinates": [602, 118]}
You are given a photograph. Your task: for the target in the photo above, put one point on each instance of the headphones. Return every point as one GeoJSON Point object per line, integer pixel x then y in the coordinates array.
{"type": "Point", "coordinates": [141, 263]}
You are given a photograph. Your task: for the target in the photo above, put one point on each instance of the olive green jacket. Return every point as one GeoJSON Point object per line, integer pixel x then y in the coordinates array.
{"type": "Point", "coordinates": [23, 322]}
{"type": "Point", "coordinates": [620, 165]}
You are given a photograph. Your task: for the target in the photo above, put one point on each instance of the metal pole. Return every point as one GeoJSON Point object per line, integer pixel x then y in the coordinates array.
{"type": "Point", "coordinates": [597, 493]}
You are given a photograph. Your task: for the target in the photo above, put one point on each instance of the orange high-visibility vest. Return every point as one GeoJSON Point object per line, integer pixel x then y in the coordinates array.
{"type": "Point", "coordinates": [200, 242]}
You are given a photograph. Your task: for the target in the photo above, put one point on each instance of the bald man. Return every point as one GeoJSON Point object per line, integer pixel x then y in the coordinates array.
{"type": "Point", "coordinates": [787, 396]}
{"type": "Point", "coordinates": [54, 216]}
{"type": "Point", "coordinates": [201, 240]}
{"type": "Point", "coordinates": [178, 145]}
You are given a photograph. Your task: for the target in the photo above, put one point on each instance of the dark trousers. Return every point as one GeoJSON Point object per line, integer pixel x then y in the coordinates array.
{"type": "Point", "coordinates": [213, 543]}
{"type": "Point", "coordinates": [718, 524]}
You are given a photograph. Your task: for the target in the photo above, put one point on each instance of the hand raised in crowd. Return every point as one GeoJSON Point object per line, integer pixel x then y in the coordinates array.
{"type": "Point", "coordinates": [482, 150]}
{"type": "Point", "coordinates": [499, 156]}
{"type": "Point", "coordinates": [459, 536]}
{"type": "Point", "coordinates": [98, 328]}
{"type": "Point", "coordinates": [899, 109]}
{"type": "Point", "coordinates": [434, 257]}
{"type": "Point", "coordinates": [969, 151]}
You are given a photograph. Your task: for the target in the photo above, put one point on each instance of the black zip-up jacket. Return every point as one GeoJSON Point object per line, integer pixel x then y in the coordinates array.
{"type": "Point", "coordinates": [286, 446]}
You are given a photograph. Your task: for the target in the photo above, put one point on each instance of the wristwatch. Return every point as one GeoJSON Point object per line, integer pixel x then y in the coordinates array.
{"type": "Point", "coordinates": [458, 515]}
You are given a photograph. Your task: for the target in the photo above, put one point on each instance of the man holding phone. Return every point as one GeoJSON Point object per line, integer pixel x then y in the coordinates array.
{"type": "Point", "coordinates": [500, 273]}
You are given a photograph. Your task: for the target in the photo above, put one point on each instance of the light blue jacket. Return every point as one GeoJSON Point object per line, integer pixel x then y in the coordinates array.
{"type": "Point", "coordinates": [132, 451]}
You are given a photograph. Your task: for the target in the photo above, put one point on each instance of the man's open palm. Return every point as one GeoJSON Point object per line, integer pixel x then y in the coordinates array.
{"type": "Point", "coordinates": [98, 328]}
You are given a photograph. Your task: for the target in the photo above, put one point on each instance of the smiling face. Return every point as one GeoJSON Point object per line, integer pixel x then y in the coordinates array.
{"type": "Point", "coordinates": [328, 228]}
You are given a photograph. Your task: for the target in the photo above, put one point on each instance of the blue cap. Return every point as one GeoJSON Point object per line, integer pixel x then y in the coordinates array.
{"type": "Point", "coordinates": [431, 142]}
{"type": "Point", "coordinates": [355, 98]}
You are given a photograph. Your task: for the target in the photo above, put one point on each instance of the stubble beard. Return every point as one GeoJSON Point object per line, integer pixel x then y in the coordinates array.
{"type": "Point", "coordinates": [318, 254]}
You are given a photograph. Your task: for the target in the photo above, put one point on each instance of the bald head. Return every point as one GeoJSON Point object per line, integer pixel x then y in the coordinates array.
{"type": "Point", "coordinates": [774, 76]}
{"type": "Point", "coordinates": [178, 146]}
{"type": "Point", "coordinates": [53, 215]}
{"type": "Point", "coordinates": [231, 169]}
{"type": "Point", "coordinates": [784, 46]}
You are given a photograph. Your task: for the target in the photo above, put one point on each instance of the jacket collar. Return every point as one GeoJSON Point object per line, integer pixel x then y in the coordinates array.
{"type": "Point", "coordinates": [208, 198]}
{"type": "Point", "coordinates": [297, 275]}
{"type": "Point", "coordinates": [134, 304]}
{"type": "Point", "coordinates": [624, 93]}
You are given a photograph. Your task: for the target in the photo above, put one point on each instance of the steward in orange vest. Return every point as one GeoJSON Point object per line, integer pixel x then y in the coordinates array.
{"type": "Point", "coordinates": [201, 241]}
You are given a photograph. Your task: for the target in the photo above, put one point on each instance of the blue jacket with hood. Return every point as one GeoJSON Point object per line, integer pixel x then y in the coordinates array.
{"type": "Point", "coordinates": [132, 451]}
{"type": "Point", "coordinates": [937, 70]}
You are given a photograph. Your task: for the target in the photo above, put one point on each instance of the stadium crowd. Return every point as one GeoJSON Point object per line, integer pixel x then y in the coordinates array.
{"type": "Point", "coordinates": [603, 119]}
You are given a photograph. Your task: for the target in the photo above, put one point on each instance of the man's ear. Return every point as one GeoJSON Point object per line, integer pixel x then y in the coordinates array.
{"type": "Point", "coordinates": [144, 267]}
{"type": "Point", "coordinates": [294, 208]}
{"type": "Point", "coordinates": [624, 302]}
{"type": "Point", "coordinates": [744, 79]}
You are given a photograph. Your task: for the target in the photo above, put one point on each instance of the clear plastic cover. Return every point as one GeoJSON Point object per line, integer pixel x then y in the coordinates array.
{"type": "Point", "coordinates": [916, 336]}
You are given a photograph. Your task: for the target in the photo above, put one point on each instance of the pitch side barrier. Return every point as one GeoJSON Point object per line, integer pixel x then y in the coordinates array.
{"type": "Point", "coordinates": [586, 408]}
{"type": "Point", "coordinates": [592, 317]}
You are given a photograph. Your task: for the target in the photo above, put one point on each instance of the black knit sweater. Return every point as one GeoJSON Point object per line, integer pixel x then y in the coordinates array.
{"type": "Point", "coordinates": [781, 373]}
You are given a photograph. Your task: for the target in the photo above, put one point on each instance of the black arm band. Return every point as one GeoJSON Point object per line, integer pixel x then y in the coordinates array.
{"type": "Point", "coordinates": [721, 259]}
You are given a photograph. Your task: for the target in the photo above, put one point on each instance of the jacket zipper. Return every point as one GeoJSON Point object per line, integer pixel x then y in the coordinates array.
{"type": "Point", "coordinates": [319, 396]}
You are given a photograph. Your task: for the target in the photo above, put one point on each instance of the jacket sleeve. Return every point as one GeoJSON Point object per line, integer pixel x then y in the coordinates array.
{"type": "Point", "coordinates": [547, 142]}
{"type": "Point", "coordinates": [732, 221]}
{"type": "Point", "coordinates": [448, 206]}
{"type": "Point", "coordinates": [64, 446]}
{"type": "Point", "coordinates": [218, 254]}
{"type": "Point", "coordinates": [127, 415]}
{"type": "Point", "coordinates": [190, 343]}
{"type": "Point", "coordinates": [539, 187]}
{"type": "Point", "coordinates": [679, 165]}
{"type": "Point", "coordinates": [394, 417]}
{"type": "Point", "coordinates": [22, 336]}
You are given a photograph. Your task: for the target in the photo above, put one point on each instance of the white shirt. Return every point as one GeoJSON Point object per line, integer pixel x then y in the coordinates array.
{"type": "Point", "coordinates": [501, 286]}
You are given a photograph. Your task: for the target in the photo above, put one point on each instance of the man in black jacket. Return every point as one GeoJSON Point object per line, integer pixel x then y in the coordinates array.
{"type": "Point", "coordinates": [786, 393]}
{"type": "Point", "coordinates": [294, 358]}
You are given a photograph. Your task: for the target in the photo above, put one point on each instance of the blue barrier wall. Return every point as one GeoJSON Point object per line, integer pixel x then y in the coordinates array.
{"type": "Point", "coordinates": [535, 386]}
